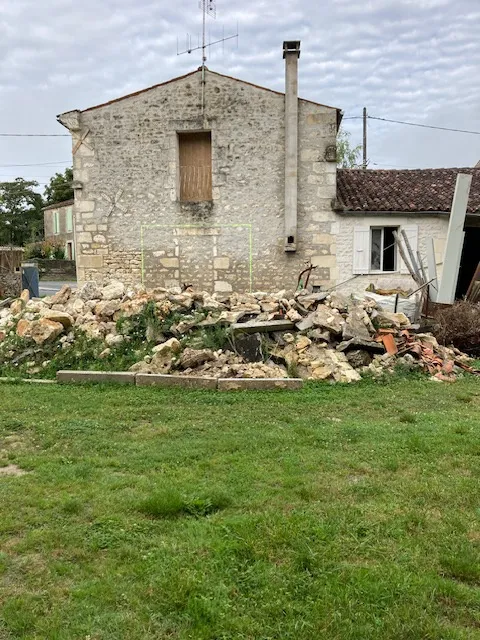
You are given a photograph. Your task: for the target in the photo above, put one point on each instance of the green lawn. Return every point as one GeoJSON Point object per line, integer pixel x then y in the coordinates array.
{"type": "Point", "coordinates": [338, 512]}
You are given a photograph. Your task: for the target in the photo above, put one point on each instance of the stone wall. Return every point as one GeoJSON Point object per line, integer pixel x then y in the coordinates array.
{"type": "Point", "coordinates": [56, 269]}
{"type": "Point", "coordinates": [429, 226]}
{"type": "Point", "coordinates": [130, 223]}
{"type": "Point", "coordinates": [10, 284]}
{"type": "Point", "coordinates": [63, 235]}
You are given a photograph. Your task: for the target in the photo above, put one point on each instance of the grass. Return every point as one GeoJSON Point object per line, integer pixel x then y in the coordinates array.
{"type": "Point", "coordinates": [339, 512]}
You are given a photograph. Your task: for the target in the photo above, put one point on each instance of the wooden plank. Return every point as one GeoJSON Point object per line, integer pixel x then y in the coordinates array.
{"type": "Point", "coordinates": [263, 327]}
{"type": "Point", "coordinates": [403, 254]}
{"type": "Point", "coordinates": [195, 157]}
{"type": "Point", "coordinates": [432, 270]}
{"type": "Point", "coordinates": [475, 280]}
{"type": "Point", "coordinates": [413, 261]}
{"type": "Point", "coordinates": [455, 239]}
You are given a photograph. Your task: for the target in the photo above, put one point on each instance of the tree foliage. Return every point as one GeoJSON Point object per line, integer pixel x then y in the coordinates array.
{"type": "Point", "coordinates": [348, 157]}
{"type": "Point", "coordinates": [60, 187]}
{"type": "Point", "coordinates": [21, 216]}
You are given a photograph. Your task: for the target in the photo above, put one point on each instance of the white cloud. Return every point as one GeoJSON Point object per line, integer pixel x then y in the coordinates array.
{"type": "Point", "coordinates": [405, 59]}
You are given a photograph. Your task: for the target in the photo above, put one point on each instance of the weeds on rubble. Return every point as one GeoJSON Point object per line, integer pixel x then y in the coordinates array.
{"type": "Point", "coordinates": [136, 326]}
{"type": "Point", "coordinates": [214, 338]}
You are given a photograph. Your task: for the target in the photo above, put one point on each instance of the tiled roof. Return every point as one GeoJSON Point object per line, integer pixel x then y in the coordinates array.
{"type": "Point", "coordinates": [409, 191]}
{"type": "Point", "coordinates": [59, 205]}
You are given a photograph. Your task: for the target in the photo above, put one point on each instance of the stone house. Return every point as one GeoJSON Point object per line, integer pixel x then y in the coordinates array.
{"type": "Point", "coordinates": [371, 204]}
{"type": "Point", "coordinates": [58, 220]}
{"type": "Point", "coordinates": [206, 180]}
{"type": "Point", "coordinates": [216, 182]}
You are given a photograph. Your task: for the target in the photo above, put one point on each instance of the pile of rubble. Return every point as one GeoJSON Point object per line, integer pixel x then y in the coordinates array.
{"type": "Point", "coordinates": [316, 336]}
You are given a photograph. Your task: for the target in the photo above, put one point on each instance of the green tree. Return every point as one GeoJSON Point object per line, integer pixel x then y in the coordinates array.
{"type": "Point", "coordinates": [21, 216]}
{"type": "Point", "coordinates": [60, 187]}
{"type": "Point", "coordinates": [347, 156]}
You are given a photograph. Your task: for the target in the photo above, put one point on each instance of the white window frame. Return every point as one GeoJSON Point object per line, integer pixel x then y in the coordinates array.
{"type": "Point", "coordinates": [396, 265]}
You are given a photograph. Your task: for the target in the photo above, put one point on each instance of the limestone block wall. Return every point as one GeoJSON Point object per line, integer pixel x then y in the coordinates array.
{"type": "Point", "coordinates": [429, 226]}
{"type": "Point", "coordinates": [131, 225]}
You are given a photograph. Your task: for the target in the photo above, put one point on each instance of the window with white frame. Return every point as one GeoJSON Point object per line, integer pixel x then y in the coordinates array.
{"type": "Point", "coordinates": [375, 249]}
{"type": "Point", "coordinates": [383, 249]}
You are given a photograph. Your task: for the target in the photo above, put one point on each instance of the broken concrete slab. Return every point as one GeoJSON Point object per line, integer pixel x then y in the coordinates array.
{"type": "Point", "coordinates": [263, 327]}
{"type": "Point", "coordinates": [120, 377]}
{"type": "Point", "coordinates": [358, 343]}
{"type": "Point", "coordinates": [187, 382]}
{"type": "Point", "coordinates": [259, 384]}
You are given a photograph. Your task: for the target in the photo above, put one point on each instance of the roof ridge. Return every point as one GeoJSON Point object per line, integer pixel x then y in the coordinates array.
{"type": "Point", "coordinates": [190, 73]}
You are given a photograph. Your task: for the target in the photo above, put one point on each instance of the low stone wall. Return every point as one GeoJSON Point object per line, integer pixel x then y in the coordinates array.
{"type": "Point", "coordinates": [57, 269]}
{"type": "Point", "coordinates": [10, 284]}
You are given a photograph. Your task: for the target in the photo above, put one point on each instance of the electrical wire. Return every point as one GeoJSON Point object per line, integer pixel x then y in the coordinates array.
{"type": "Point", "coordinates": [424, 126]}
{"type": "Point", "coordinates": [34, 135]}
{"type": "Point", "coordinates": [36, 164]}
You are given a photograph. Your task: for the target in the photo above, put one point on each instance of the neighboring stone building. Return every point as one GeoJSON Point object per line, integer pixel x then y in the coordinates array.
{"type": "Point", "coordinates": [206, 180]}
{"type": "Point", "coordinates": [371, 204]}
{"type": "Point", "coordinates": [58, 220]}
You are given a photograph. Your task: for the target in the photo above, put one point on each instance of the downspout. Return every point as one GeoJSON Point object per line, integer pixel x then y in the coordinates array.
{"type": "Point", "coordinates": [291, 53]}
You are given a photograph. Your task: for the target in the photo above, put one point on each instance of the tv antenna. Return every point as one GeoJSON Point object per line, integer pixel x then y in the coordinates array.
{"type": "Point", "coordinates": [209, 8]}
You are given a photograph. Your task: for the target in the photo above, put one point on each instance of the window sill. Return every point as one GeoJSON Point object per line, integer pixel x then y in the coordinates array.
{"type": "Point", "coordinates": [384, 273]}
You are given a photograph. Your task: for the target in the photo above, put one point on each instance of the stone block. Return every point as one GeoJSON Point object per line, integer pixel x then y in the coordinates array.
{"type": "Point", "coordinates": [120, 377]}
{"type": "Point", "coordinates": [170, 263]}
{"type": "Point", "coordinates": [164, 380]}
{"type": "Point", "coordinates": [221, 263]}
{"type": "Point", "coordinates": [84, 236]}
{"type": "Point", "coordinates": [90, 262]}
{"type": "Point", "coordinates": [259, 384]}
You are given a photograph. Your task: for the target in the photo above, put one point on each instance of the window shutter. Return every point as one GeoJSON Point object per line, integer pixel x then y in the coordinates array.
{"type": "Point", "coordinates": [412, 235]}
{"type": "Point", "coordinates": [361, 250]}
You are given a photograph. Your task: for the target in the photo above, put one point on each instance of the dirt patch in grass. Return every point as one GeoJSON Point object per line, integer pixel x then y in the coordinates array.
{"type": "Point", "coordinates": [12, 470]}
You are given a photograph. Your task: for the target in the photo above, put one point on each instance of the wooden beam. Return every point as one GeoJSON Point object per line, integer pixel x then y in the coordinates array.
{"type": "Point", "coordinates": [432, 270]}
{"type": "Point", "coordinates": [455, 238]}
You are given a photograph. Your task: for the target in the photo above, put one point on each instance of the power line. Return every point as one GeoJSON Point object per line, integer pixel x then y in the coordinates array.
{"type": "Point", "coordinates": [424, 126]}
{"type": "Point", "coordinates": [34, 135]}
{"type": "Point", "coordinates": [414, 124]}
{"type": "Point", "coordinates": [36, 164]}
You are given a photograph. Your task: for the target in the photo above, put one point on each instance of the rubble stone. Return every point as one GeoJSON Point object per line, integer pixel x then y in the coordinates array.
{"type": "Point", "coordinates": [45, 330]}
{"type": "Point", "coordinates": [113, 291]}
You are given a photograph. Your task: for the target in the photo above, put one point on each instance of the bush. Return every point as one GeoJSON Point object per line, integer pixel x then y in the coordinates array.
{"type": "Point", "coordinates": [45, 250]}
{"type": "Point", "coordinates": [459, 325]}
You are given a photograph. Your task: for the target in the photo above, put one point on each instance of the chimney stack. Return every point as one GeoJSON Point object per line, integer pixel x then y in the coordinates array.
{"type": "Point", "coordinates": [291, 54]}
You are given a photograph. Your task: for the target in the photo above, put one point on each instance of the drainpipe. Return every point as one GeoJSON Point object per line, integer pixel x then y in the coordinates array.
{"type": "Point", "coordinates": [291, 53]}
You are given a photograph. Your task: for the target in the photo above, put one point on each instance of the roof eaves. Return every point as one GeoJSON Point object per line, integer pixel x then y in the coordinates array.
{"type": "Point", "coordinates": [58, 205]}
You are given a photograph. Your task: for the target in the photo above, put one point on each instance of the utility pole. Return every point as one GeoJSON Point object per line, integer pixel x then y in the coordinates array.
{"type": "Point", "coordinates": [364, 138]}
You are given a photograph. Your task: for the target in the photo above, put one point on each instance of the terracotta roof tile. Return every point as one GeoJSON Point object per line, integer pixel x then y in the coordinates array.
{"type": "Point", "coordinates": [410, 191]}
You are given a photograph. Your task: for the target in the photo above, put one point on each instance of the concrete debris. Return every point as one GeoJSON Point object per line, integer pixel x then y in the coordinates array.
{"type": "Point", "coordinates": [315, 336]}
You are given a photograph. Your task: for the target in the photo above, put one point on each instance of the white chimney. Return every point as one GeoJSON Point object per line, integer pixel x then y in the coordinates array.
{"type": "Point", "coordinates": [291, 54]}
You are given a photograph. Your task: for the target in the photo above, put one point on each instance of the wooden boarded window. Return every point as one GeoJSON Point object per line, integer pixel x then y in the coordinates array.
{"type": "Point", "coordinates": [195, 155]}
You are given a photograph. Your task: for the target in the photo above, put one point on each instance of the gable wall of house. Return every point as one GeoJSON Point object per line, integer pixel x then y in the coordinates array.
{"type": "Point", "coordinates": [129, 221]}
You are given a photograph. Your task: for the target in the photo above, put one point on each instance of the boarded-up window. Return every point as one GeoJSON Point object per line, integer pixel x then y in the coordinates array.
{"type": "Point", "coordinates": [195, 155]}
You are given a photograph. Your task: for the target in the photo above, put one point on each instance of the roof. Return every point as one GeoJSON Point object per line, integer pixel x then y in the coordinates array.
{"type": "Point", "coordinates": [409, 191]}
{"type": "Point", "coordinates": [58, 205]}
{"type": "Point", "coordinates": [191, 73]}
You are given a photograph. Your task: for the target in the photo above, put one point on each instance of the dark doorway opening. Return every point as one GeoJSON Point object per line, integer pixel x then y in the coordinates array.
{"type": "Point", "coordinates": [469, 261]}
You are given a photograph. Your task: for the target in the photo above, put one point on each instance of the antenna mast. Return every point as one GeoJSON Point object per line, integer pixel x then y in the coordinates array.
{"type": "Point", "coordinates": [208, 7]}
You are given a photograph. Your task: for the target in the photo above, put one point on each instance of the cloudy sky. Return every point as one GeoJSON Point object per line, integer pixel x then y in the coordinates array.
{"type": "Point", "coordinates": [413, 60]}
